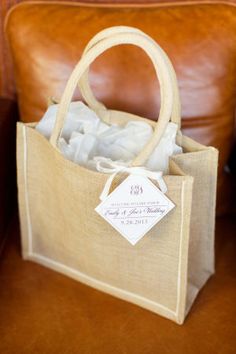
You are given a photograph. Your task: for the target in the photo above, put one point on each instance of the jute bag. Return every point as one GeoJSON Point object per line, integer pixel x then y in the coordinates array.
{"type": "Point", "coordinates": [61, 230]}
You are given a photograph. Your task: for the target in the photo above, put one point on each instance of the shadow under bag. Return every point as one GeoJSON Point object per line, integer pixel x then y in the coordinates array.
{"type": "Point", "coordinates": [61, 230]}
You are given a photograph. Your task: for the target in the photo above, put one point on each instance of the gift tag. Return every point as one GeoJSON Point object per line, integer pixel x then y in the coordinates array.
{"type": "Point", "coordinates": [134, 207]}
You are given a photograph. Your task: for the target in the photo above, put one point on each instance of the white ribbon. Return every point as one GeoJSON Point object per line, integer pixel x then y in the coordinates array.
{"type": "Point", "coordinates": [105, 165]}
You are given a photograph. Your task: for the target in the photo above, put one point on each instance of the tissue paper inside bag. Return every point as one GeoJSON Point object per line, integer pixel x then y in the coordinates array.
{"type": "Point", "coordinates": [85, 137]}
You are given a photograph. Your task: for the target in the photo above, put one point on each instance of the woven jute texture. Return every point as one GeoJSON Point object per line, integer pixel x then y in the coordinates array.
{"type": "Point", "coordinates": [61, 230]}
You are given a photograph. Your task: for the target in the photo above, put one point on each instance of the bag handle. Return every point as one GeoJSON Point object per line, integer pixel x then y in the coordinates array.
{"type": "Point", "coordinates": [166, 89]}
{"type": "Point", "coordinates": [97, 106]}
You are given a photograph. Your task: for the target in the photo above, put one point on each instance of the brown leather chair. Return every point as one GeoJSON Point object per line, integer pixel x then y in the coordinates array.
{"type": "Point", "coordinates": [50, 313]}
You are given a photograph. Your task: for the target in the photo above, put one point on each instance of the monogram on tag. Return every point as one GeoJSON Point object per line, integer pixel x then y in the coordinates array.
{"type": "Point", "coordinates": [134, 207]}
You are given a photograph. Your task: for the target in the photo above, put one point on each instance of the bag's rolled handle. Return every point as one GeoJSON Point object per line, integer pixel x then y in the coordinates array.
{"type": "Point", "coordinates": [162, 71]}
{"type": "Point", "coordinates": [85, 88]}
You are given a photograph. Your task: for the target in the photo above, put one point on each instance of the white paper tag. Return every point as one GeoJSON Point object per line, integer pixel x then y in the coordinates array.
{"type": "Point", "coordinates": [134, 207]}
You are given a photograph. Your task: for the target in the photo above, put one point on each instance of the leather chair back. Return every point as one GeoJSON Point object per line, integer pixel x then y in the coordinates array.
{"type": "Point", "coordinates": [47, 39]}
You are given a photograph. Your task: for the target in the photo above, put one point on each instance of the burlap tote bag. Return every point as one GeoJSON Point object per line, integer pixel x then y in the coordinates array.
{"type": "Point", "coordinates": [60, 229]}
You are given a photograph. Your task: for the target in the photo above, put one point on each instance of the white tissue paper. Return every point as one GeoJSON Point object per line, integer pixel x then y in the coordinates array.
{"type": "Point", "coordinates": [85, 137]}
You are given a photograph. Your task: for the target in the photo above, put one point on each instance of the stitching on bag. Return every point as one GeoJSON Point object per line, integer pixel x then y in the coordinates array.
{"type": "Point", "coordinates": [29, 224]}
{"type": "Point", "coordinates": [180, 251]}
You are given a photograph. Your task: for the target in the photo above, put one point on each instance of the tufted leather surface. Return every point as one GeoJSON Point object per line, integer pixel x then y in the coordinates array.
{"type": "Point", "coordinates": [42, 311]}
{"type": "Point", "coordinates": [47, 39]}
